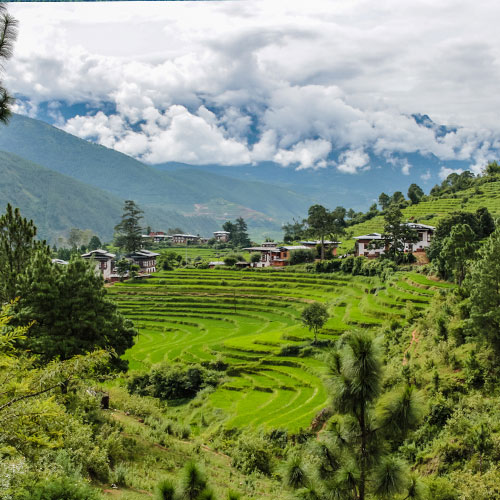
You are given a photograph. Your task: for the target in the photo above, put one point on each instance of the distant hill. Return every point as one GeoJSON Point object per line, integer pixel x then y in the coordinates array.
{"type": "Point", "coordinates": [56, 202]}
{"type": "Point", "coordinates": [182, 191]}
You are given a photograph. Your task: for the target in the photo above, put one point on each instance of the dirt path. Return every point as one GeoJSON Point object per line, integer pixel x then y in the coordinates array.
{"type": "Point", "coordinates": [414, 340]}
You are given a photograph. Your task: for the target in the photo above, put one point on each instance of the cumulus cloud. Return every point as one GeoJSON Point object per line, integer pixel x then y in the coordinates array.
{"type": "Point", "coordinates": [243, 82]}
{"type": "Point", "coordinates": [445, 172]}
{"type": "Point", "coordinates": [351, 162]}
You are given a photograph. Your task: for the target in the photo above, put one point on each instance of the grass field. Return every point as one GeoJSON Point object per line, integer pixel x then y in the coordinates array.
{"type": "Point", "coordinates": [247, 317]}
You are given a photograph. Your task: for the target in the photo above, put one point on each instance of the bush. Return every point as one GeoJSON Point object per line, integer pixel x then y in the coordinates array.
{"type": "Point", "coordinates": [173, 382]}
{"type": "Point", "coordinates": [252, 454]}
{"type": "Point", "coordinates": [327, 266]}
{"type": "Point", "coordinates": [301, 257]}
{"type": "Point", "coordinates": [62, 489]}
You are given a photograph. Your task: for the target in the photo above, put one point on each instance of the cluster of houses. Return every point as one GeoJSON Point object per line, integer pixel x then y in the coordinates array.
{"type": "Point", "coordinates": [105, 263]}
{"type": "Point", "coordinates": [371, 245]}
{"type": "Point", "coordinates": [184, 239]}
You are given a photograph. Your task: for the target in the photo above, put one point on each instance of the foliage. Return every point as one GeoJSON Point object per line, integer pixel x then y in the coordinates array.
{"type": "Point", "coordinates": [71, 311]}
{"type": "Point", "coordinates": [483, 285]}
{"type": "Point", "coordinates": [252, 454]}
{"type": "Point", "coordinates": [294, 231]}
{"type": "Point", "coordinates": [301, 257]}
{"type": "Point", "coordinates": [64, 488]}
{"type": "Point", "coordinates": [459, 248]}
{"type": "Point", "coordinates": [238, 230]}
{"type": "Point", "coordinates": [314, 316]}
{"type": "Point", "coordinates": [397, 234]}
{"type": "Point", "coordinates": [8, 35]}
{"type": "Point", "coordinates": [322, 222]}
{"type": "Point", "coordinates": [415, 193]}
{"type": "Point", "coordinates": [128, 232]}
{"type": "Point", "coordinates": [357, 461]}
{"type": "Point", "coordinates": [173, 382]}
{"type": "Point", "coordinates": [17, 243]}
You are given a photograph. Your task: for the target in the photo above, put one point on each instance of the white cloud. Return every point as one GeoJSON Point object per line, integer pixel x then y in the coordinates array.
{"type": "Point", "coordinates": [351, 162]}
{"type": "Point", "coordinates": [426, 176]}
{"type": "Point", "coordinates": [238, 82]}
{"type": "Point", "coordinates": [445, 172]}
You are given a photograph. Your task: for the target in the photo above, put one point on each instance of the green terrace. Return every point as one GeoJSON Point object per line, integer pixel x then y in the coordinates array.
{"type": "Point", "coordinates": [251, 319]}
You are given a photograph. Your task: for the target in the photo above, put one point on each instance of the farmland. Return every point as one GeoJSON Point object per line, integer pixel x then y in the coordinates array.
{"type": "Point", "coordinates": [433, 210]}
{"type": "Point", "coordinates": [251, 319]}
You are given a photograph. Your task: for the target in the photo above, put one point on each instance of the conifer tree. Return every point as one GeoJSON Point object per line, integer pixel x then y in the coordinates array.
{"type": "Point", "coordinates": [357, 461]}
{"type": "Point", "coordinates": [128, 233]}
{"type": "Point", "coordinates": [17, 243]}
{"type": "Point", "coordinates": [8, 35]}
{"type": "Point", "coordinates": [71, 311]}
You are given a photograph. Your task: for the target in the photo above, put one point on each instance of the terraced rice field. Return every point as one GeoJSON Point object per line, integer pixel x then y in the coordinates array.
{"type": "Point", "coordinates": [431, 212]}
{"type": "Point", "coordinates": [247, 317]}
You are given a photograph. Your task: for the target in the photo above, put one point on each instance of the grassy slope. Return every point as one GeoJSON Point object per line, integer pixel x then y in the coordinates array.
{"type": "Point", "coordinates": [431, 212]}
{"type": "Point", "coordinates": [246, 317]}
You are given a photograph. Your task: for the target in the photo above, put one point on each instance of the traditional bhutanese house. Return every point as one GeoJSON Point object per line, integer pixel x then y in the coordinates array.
{"type": "Point", "coordinates": [145, 259]}
{"type": "Point", "coordinates": [182, 239]}
{"type": "Point", "coordinates": [328, 244]}
{"type": "Point", "coordinates": [269, 244]}
{"type": "Point", "coordinates": [213, 265]}
{"type": "Point", "coordinates": [156, 237]}
{"type": "Point", "coordinates": [370, 245]}
{"type": "Point", "coordinates": [373, 245]}
{"type": "Point", "coordinates": [103, 261]}
{"type": "Point", "coordinates": [274, 256]}
{"type": "Point", "coordinates": [222, 236]}
{"type": "Point", "coordinates": [60, 262]}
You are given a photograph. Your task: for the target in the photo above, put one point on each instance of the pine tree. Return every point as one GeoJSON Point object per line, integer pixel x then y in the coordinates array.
{"type": "Point", "coordinates": [458, 249]}
{"type": "Point", "coordinates": [8, 35]}
{"type": "Point", "coordinates": [17, 243]}
{"type": "Point", "coordinates": [71, 311]}
{"type": "Point", "coordinates": [356, 461]}
{"type": "Point", "coordinates": [128, 233]}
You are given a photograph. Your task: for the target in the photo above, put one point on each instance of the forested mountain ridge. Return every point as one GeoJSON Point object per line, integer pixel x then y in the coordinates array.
{"type": "Point", "coordinates": [124, 177]}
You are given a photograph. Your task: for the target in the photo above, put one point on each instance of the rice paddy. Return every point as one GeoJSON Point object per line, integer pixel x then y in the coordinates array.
{"type": "Point", "coordinates": [250, 319]}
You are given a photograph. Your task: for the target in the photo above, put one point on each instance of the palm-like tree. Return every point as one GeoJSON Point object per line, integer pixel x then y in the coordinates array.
{"type": "Point", "coordinates": [8, 35]}
{"type": "Point", "coordinates": [356, 460]}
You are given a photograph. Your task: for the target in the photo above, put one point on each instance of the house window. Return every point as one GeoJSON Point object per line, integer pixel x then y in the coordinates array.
{"type": "Point", "coordinates": [104, 265]}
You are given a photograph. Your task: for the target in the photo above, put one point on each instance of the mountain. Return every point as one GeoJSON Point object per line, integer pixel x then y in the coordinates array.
{"type": "Point", "coordinates": [57, 202]}
{"type": "Point", "coordinates": [187, 192]}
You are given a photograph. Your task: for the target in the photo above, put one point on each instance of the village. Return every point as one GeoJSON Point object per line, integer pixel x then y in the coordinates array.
{"type": "Point", "coordinates": [270, 253]}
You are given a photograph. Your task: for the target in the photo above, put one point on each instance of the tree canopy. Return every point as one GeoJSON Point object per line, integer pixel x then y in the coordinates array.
{"type": "Point", "coordinates": [128, 232]}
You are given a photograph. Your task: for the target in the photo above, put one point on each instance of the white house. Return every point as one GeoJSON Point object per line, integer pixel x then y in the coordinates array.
{"type": "Point", "coordinates": [273, 255]}
{"type": "Point", "coordinates": [183, 239]}
{"type": "Point", "coordinates": [145, 259]}
{"type": "Point", "coordinates": [103, 261]}
{"type": "Point", "coordinates": [222, 236]}
{"type": "Point", "coordinates": [373, 245]}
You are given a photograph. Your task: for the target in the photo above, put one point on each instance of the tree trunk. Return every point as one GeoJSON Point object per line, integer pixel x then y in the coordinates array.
{"type": "Point", "coordinates": [322, 248]}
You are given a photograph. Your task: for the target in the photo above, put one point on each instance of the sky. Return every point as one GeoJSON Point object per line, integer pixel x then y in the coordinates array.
{"type": "Point", "coordinates": [308, 85]}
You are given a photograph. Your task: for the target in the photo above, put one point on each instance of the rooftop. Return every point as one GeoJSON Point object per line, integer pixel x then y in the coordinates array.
{"type": "Point", "coordinates": [99, 253]}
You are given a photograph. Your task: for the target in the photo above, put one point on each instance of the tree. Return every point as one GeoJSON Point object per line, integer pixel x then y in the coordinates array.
{"type": "Point", "coordinates": [356, 461]}
{"type": "Point", "coordinates": [323, 223]}
{"type": "Point", "coordinates": [75, 237]}
{"type": "Point", "coordinates": [94, 243]}
{"type": "Point", "coordinates": [301, 256]}
{"type": "Point", "coordinates": [384, 200]}
{"type": "Point", "coordinates": [397, 234]}
{"type": "Point", "coordinates": [17, 243]}
{"type": "Point", "coordinates": [242, 232]}
{"type": "Point", "coordinates": [71, 311]}
{"type": "Point", "coordinates": [314, 316]}
{"type": "Point", "coordinates": [485, 221]}
{"type": "Point", "coordinates": [8, 35]}
{"type": "Point", "coordinates": [122, 268]}
{"type": "Point", "coordinates": [458, 249]}
{"type": "Point", "coordinates": [493, 168]}
{"type": "Point", "coordinates": [415, 193]}
{"type": "Point", "coordinates": [397, 198]}
{"type": "Point", "coordinates": [129, 231]}
{"type": "Point", "coordinates": [294, 231]}
{"type": "Point", "coordinates": [483, 286]}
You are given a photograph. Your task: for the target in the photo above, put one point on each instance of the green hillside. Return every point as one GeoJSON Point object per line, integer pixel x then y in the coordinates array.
{"type": "Point", "coordinates": [186, 191]}
{"type": "Point", "coordinates": [433, 210]}
{"type": "Point", "coordinates": [57, 202]}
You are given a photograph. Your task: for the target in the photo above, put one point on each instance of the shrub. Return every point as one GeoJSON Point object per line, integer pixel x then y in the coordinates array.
{"type": "Point", "coordinates": [301, 257]}
{"type": "Point", "coordinates": [252, 454]}
{"type": "Point", "coordinates": [328, 266]}
{"type": "Point", "coordinates": [62, 489]}
{"type": "Point", "coordinates": [173, 382]}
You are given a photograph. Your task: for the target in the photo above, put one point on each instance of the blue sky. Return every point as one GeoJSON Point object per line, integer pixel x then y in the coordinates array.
{"type": "Point", "coordinates": [333, 85]}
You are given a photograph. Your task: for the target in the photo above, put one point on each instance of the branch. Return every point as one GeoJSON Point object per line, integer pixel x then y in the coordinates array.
{"type": "Point", "coordinates": [27, 396]}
